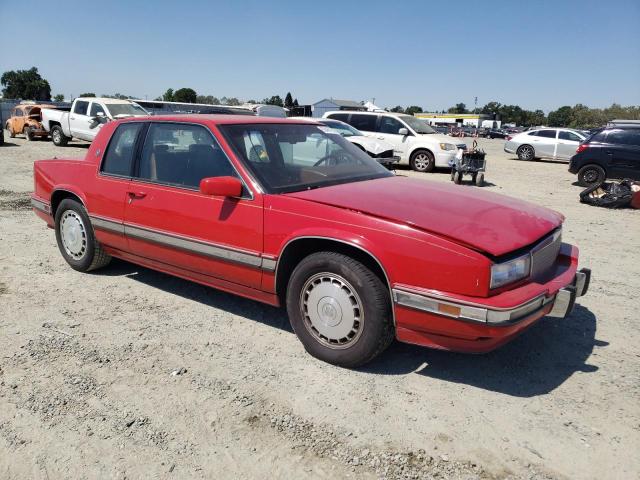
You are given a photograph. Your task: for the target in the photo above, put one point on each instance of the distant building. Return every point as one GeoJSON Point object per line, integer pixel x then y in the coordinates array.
{"type": "Point", "coordinates": [461, 119]}
{"type": "Point", "coordinates": [331, 104]}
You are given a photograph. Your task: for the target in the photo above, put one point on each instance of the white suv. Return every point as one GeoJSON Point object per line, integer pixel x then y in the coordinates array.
{"type": "Point", "coordinates": [413, 140]}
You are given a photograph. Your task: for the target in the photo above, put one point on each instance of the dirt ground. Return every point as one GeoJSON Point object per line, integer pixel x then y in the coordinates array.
{"type": "Point", "coordinates": [129, 373]}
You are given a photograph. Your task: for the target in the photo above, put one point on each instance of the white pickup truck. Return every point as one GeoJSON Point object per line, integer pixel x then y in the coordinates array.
{"type": "Point", "coordinates": [86, 117]}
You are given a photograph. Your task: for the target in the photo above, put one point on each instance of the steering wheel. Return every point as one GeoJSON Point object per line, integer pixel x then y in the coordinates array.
{"type": "Point", "coordinates": [334, 158]}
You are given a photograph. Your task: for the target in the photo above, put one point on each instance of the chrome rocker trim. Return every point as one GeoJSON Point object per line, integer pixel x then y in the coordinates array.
{"type": "Point", "coordinates": [186, 244]}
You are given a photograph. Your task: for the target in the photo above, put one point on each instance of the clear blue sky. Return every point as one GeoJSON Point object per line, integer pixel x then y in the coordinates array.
{"type": "Point", "coordinates": [538, 54]}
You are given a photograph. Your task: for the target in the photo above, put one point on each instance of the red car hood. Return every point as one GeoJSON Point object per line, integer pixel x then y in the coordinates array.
{"type": "Point", "coordinates": [486, 221]}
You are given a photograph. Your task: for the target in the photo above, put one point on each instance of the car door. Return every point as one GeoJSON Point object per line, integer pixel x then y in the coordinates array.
{"type": "Point", "coordinates": [545, 142]}
{"type": "Point", "coordinates": [567, 144]}
{"type": "Point", "coordinates": [366, 123]}
{"type": "Point", "coordinates": [622, 148]}
{"type": "Point", "coordinates": [169, 221]}
{"type": "Point", "coordinates": [80, 121]}
{"type": "Point", "coordinates": [17, 121]}
{"type": "Point", "coordinates": [97, 117]}
{"type": "Point", "coordinates": [107, 200]}
{"type": "Point", "coordinates": [388, 130]}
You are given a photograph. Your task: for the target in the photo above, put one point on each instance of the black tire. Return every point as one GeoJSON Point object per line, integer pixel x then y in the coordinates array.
{"type": "Point", "coordinates": [526, 152]}
{"type": "Point", "coordinates": [58, 137]}
{"type": "Point", "coordinates": [28, 133]}
{"type": "Point", "coordinates": [9, 131]}
{"type": "Point", "coordinates": [457, 178]}
{"type": "Point", "coordinates": [453, 173]}
{"type": "Point", "coordinates": [90, 254]}
{"type": "Point", "coordinates": [374, 326]}
{"type": "Point", "coordinates": [591, 174]}
{"type": "Point", "coordinates": [422, 161]}
{"type": "Point", "coordinates": [479, 179]}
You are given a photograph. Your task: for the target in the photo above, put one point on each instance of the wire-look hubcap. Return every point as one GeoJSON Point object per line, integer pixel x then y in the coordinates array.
{"type": "Point", "coordinates": [527, 153]}
{"type": "Point", "coordinates": [332, 310]}
{"type": "Point", "coordinates": [73, 234]}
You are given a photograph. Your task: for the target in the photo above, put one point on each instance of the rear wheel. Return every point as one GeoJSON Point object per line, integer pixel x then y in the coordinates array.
{"type": "Point", "coordinates": [28, 133]}
{"type": "Point", "coordinates": [422, 161]}
{"type": "Point", "coordinates": [58, 136]}
{"type": "Point", "coordinates": [457, 178]}
{"type": "Point", "coordinates": [526, 152]}
{"type": "Point", "coordinates": [479, 179]}
{"type": "Point", "coordinates": [339, 309]}
{"type": "Point", "coordinates": [75, 238]}
{"type": "Point", "coordinates": [590, 175]}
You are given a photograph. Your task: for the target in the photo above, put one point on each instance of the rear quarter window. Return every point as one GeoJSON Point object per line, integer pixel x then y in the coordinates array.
{"type": "Point", "coordinates": [119, 156]}
{"type": "Point", "coordinates": [624, 137]}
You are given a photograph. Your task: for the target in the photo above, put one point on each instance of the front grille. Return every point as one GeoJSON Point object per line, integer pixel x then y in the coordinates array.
{"type": "Point", "coordinates": [543, 255]}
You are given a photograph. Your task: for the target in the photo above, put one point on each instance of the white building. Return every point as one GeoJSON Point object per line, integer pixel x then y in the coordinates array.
{"type": "Point", "coordinates": [332, 104]}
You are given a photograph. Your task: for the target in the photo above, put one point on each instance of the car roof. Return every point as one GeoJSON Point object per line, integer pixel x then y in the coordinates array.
{"type": "Point", "coordinates": [393, 114]}
{"type": "Point", "coordinates": [213, 119]}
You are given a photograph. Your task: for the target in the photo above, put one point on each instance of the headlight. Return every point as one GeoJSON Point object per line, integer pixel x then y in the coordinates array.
{"type": "Point", "coordinates": [511, 271]}
{"type": "Point", "coordinates": [447, 146]}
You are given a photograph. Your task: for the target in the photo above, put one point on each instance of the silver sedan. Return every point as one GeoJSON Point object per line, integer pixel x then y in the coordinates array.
{"type": "Point", "coordinates": [554, 143]}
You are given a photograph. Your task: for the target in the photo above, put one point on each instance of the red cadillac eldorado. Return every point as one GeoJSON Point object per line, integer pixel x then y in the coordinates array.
{"type": "Point", "coordinates": [289, 213]}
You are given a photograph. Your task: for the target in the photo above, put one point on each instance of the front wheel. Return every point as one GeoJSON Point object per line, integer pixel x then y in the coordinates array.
{"type": "Point", "coordinates": [28, 133]}
{"type": "Point", "coordinates": [457, 177]}
{"type": "Point", "coordinates": [479, 179]}
{"type": "Point", "coordinates": [75, 238]}
{"type": "Point", "coordinates": [58, 136]}
{"type": "Point", "coordinates": [590, 175]}
{"type": "Point", "coordinates": [422, 161]}
{"type": "Point", "coordinates": [339, 309]}
{"type": "Point", "coordinates": [526, 152]}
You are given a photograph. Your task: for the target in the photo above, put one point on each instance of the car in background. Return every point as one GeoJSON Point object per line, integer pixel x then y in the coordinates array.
{"type": "Point", "coordinates": [414, 141]}
{"type": "Point", "coordinates": [86, 118]}
{"type": "Point", "coordinates": [26, 119]}
{"type": "Point", "coordinates": [611, 152]}
{"type": "Point", "coordinates": [552, 143]}
{"type": "Point", "coordinates": [375, 148]}
{"type": "Point", "coordinates": [495, 133]}
{"type": "Point", "coordinates": [358, 256]}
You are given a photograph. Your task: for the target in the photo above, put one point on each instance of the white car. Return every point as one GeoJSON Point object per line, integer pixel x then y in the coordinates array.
{"type": "Point", "coordinates": [86, 117]}
{"type": "Point", "coordinates": [413, 140]}
{"type": "Point", "coordinates": [375, 148]}
{"type": "Point", "coordinates": [554, 143]}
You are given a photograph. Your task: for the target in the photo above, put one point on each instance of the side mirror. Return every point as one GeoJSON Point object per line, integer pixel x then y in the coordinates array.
{"type": "Point", "coordinates": [403, 131]}
{"type": "Point", "coordinates": [221, 186]}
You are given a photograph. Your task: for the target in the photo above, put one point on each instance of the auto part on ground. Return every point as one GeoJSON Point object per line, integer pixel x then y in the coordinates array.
{"type": "Point", "coordinates": [625, 193]}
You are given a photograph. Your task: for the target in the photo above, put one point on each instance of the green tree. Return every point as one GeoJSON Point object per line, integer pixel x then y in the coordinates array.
{"type": "Point", "coordinates": [274, 100]}
{"type": "Point", "coordinates": [185, 95]}
{"type": "Point", "coordinates": [413, 109]}
{"type": "Point", "coordinates": [233, 102]}
{"type": "Point", "coordinates": [295, 102]}
{"type": "Point", "coordinates": [25, 84]}
{"type": "Point", "coordinates": [459, 108]}
{"type": "Point", "coordinates": [397, 109]}
{"type": "Point", "coordinates": [208, 100]}
{"type": "Point", "coordinates": [168, 95]}
{"type": "Point", "coordinates": [58, 98]}
{"type": "Point", "coordinates": [561, 117]}
{"type": "Point", "coordinates": [288, 100]}
{"type": "Point", "coordinates": [90, 94]}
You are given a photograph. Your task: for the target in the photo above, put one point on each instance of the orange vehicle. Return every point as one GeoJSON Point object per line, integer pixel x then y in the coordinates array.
{"type": "Point", "coordinates": [26, 119]}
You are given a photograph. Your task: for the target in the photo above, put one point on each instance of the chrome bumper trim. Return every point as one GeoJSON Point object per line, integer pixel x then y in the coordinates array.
{"type": "Point", "coordinates": [40, 205]}
{"type": "Point", "coordinates": [563, 304]}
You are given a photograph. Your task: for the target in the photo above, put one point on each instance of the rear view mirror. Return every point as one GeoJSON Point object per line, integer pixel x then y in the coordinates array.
{"type": "Point", "coordinates": [403, 131]}
{"type": "Point", "coordinates": [221, 186]}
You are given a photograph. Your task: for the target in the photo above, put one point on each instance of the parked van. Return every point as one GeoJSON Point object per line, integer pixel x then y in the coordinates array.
{"type": "Point", "coordinates": [415, 142]}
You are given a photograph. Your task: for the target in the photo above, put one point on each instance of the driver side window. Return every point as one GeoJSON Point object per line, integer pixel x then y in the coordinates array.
{"type": "Point", "coordinates": [390, 125]}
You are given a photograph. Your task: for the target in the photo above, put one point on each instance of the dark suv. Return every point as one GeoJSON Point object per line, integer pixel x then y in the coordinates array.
{"type": "Point", "coordinates": [611, 152]}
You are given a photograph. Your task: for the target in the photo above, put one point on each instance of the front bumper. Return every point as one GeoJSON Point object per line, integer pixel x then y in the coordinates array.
{"type": "Point", "coordinates": [443, 157]}
{"type": "Point", "coordinates": [454, 323]}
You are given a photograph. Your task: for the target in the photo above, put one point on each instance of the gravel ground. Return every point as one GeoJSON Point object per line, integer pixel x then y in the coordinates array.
{"type": "Point", "coordinates": [129, 373]}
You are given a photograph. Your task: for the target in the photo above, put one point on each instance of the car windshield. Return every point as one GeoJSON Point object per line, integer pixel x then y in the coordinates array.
{"type": "Point", "coordinates": [289, 157]}
{"type": "Point", "coordinates": [343, 129]}
{"type": "Point", "coordinates": [418, 126]}
{"type": "Point", "coordinates": [125, 109]}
